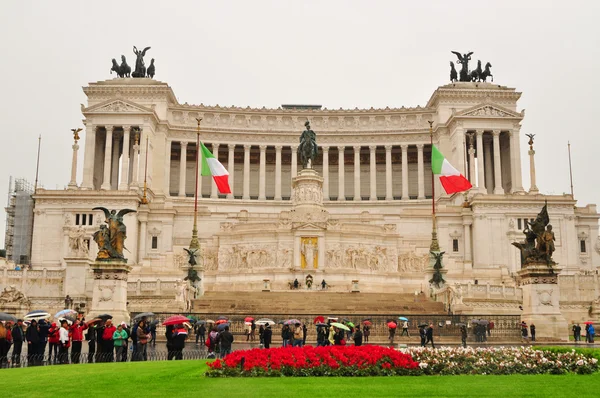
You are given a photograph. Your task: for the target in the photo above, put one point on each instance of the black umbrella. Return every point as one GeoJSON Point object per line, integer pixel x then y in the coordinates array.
{"type": "Point", "coordinates": [155, 322]}
{"type": "Point", "coordinates": [422, 325]}
{"type": "Point", "coordinates": [345, 320]}
{"type": "Point", "coordinates": [143, 314]}
{"type": "Point", "coordinates": [104, 317]}
{"type": "Point", "coordinates": [222, 317]}
{"type": "Point", "coordinates": [7, 317]}
{"type": "Point", "coordinates": [200, 322]}
{"type": "Point", "coordinates": [222, 326]}
{"type": "Point", "coordinates": [280, 322]}
{"type": "Point", "coordinates": [321, 324]}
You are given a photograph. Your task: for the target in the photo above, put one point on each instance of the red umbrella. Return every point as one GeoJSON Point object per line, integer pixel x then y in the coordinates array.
{"type": "Point", "coordinates": [392, 325]}
{"type": "Point", "coordinates": [220, 321]}
{"type": "Point", "coordinates": [368, 323]}
{"type": "Point", "coordinates": [175, 319]}
{"type": "Point", "coordinates": [319, 319]}
{"type": "Point", "coordinates": [248, 319]}
{"type": "Point", "coordinates": [588, 323]}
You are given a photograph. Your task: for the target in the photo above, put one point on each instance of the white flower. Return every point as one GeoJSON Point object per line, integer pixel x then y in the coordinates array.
{"type": "Point", "coordinates": [423, 365]}
{"type": "Point", "coordinates": [580, 362]}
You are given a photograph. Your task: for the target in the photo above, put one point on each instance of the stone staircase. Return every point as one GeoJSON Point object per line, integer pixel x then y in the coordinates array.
{"type": "Point", "coordinates": [314, 302]}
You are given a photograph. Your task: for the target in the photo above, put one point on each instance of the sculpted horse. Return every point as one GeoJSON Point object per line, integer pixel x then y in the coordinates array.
{"type": "Point", "coordinates": [476, 74]}
{"type": "Point", "coordinates": [125, 69]}
{"type": "Point", "coordinates": [115, 68]}
{"type": "Point", "coordinates": [487, 72]}
{"type": "Point", "coordinates": [151, 69]}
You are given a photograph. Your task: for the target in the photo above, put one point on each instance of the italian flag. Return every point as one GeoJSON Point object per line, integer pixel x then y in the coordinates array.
{"type": "Point", "coordinates": [212, 167]}
{"type": "Point", "coordinates": [451, 179]}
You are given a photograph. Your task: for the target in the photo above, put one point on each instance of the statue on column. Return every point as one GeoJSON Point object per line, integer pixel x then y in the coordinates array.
{"type": "Point", "coordinates": [538, 245]}
{"type": "Point", "coordinates": [308, 146]}
{"type": "Point", "coordinates": [140, 67]}
{"type": "Point", "coordinates": [111, 237]}
{"type": "Point", "coordinates": [438, 278]}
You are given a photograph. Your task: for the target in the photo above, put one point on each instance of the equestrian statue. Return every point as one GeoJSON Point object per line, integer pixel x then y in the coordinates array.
{"type": "Point", "coordinates": [308, 146]}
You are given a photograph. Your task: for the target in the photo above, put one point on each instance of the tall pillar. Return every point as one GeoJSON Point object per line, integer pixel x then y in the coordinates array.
{"type": "Point", "coordinates": [262, 179]}
{"type": "Point", "coordinates": [125, 159]}
{"type": "Point", "coordinates": [294, 170]}
{"type": "Point", "coordinates": [341, 182]}
{"type": "Point", "coordinates": [357, 173]}
{"type": "Point", "coordinates": [88, 156]}
{"type": "Point", "coordinates": [372, 172]}
{"type": "Point", "coordinates": [114, 172]}
{"type": "Point", "coordinates": [73, 182]}
{"type": "Point", "coordinates": [231, 168]}
{"type": "Point", "coordinates": [107, 155]}
{"type": "Point", "coordinates": [143, 236]}
{"type": "Point", "coordinates": [246, 172]}
{"type": "Point", "coordinates": [325, 172]}
{"type": "Point", "coordinates": [142, 162]}
{"type": "Point", "coordinates": [182, 168]}
{"type": "Point", "coordinates": [214, 193]}
{"type": "Point", "coordinates": [480, 163]}
{"type": "Point", "coordinates": [405, 195]}
{"type": "Point", "coordinates": [515, 167]}
{"type": "Point", "coordinates": [498, 189]}
{"type": "Point", "coordinates": [467, 236]}
{"type": "Point", "coordinates": [489, 175]}
{"type": "Point", "coordinates": [471, 160]}
{"type": "Point", "coordinates": [278, 172]}
{"type": "Point", "coordinates": [389, 195]}
{"type": "Point", "coordinates": [534, 189]}
{"type": "Point", "coordinates": [421, 171]}
{"type": "Point", "coordinates": [135, 163]}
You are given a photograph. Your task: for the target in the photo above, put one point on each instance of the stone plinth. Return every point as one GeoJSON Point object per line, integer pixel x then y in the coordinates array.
{"type": "Point", "coordinates": [75, 276]}
{"type": "Point", "coordinates": [110, 290]}
{"type": "Point", "coordinates": [541, 294]}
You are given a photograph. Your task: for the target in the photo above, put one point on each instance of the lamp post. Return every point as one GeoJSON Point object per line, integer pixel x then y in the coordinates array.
{"type": "Point", "coordinates": [434, 247]}
{"type": "Point", "coordinates": [194, 243]}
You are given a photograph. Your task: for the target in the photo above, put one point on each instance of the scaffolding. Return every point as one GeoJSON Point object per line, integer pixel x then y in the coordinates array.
{"type": "Point", "coordinates": [19, 217]}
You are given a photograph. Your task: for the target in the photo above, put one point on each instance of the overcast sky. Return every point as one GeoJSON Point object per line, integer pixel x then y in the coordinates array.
{"type": "Point", "coordinates": [335, 53]}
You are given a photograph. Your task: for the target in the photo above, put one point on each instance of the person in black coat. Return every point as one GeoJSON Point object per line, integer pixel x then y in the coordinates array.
{"type": "Point", "coordinates": [18, 337]}
{"type": "Point", "coordinates": [429, 335]}
{"type": "Point", "coordinates": [304, 333]}
{"type": "Point", "coordinates": [463, 335]}
{"type": "Point", "coordinates": [267, 336]}
{"type": "Point", "coordinates": [358, 337]}
{"type": "Point", "coordinates": [170, 348]}
{"type": "Point", "coordinates": [423, 335]}
{"type": "Point", "coordinates": [43, 329]}
{"type": "Point", "coordinates": [178, 341]}
{"type": "Point", "coordinates": [99, 347]}
{"type": "Point", "coordinates": [32, 335]}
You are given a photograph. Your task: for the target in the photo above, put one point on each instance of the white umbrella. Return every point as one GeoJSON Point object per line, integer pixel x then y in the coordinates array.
{"type": "Point", "coordinates": [265, 321]}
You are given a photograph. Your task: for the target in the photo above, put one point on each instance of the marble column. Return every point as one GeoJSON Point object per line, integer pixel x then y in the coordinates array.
{"type": "Point", "coordinates": [142, 163]}
{"type": "Point", "coordinates": [405, 195]}
{"type": "Point", "coordinates": [471, 160]}
{"type": "Point", "coordinates": [89, 156]}
{"type": "Point", "coordinates": [246, 194]}
{"type": "Point", "coordinates": [325, 172]}
{"type": "Point", "coordinates": [107, 155]}
{"type": "Point", "coordinates": [372, 172]}
{"type": "Point", "coordinates": [421, 171]}
{"type": "Point", "coordinates": [534, 189]}
{"type": "Point", "coordinates": [182, 168]}
{"type": "Point", "coordinates": [278, 149]}
{"type": "Point", "coordinates": [468, 257]}
{"type": "Point", "coordinates": [231, 168]}
{"type": "Point", "coordinates": [73, 182]}
{"type": "Point", "coordinates": [489, 166]}
{"type": "Point", "coordinates": [341, 182]}
{"type": "Point", "coordinates": [498, 189]}
{"type": "Point", "coordinates": [135, 163]}
{"type": "Point", "coordinates": [294, 170]}
{"type": "Point", "coordinates": [262, 179]}
{"type": "Point", "coordinates": [143, 238]}
{"type": "Point", "coordinates": [357, 173]}
{"type": "Point", "coordinates": [515, 167]}
{"type": "Point", "coordinates": [480, 163]}
{"type": "Point", "coordinates": [114, 172]}
{"type": "Point", "coordinates": [389, 195]}
{"type": "Point", "coordinates": [124, 184]}
{"type": "Point", "coordinates": [214, 192]}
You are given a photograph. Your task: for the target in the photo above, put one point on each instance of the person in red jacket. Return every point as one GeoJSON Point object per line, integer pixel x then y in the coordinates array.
{"type": "Point", "coordinates": [77, 338]}
{"type": "Point", "coordinates": [108, 347]}
{"type": "Point", "coordinates": [53, 340]}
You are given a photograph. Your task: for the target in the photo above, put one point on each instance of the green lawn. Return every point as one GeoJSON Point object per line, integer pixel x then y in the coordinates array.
{"type": "Point", "coordinates": [185, 378]}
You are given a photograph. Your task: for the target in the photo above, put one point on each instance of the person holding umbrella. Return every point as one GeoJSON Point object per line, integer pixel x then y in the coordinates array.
{"type": "Point", "coordinates": [366, 330]}
{"type": "Point", "coordinates": [108, 347]}
{"type": "Point", "coordinates": [18, 336]}
{"type": "Point", "coordinates": [267, 336]}
{"type": "Point", "coordinates": [429, 335]}
{"type": "Point", "coordinates": [63, 348]}
{"type": "Point", "coordinates": [180, 333]}
{"type": "Point", "coordinates": [142, 341]}
{"type": "Point", "coordinates": [77, 337]}
{"type": "Point", "coordinates": [463, 335]}
{"type": "Point", "coordinates": [225, 339]}
{"type": "Point", "coordinates": [53, 342]}
{"type": "Point", "coordinates": [297, 336]}
{"type": "Point", "coordinates": [392, 331]}
{"type": "Point", "coordinates": [32, 335]}
{"type": "Point", "coordinates": [358, 337]}
{"type": "Point", "coordinates": [422, 334]}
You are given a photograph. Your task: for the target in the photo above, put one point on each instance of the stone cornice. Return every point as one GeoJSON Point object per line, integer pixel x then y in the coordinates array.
{"type": "Point", "coordinates": [134, 89]}
{"type": "Point", "coordinates": [473, 93]}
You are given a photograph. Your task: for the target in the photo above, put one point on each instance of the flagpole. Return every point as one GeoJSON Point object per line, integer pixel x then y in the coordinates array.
{"type": "Point", "coordinates": [570, 169]}
{"type": "Point", "coordinates": [37, 172]}
{"type": "Point", "coordinates": [434, 247]}
{"type": "Point", "coordinates": [194, 243]}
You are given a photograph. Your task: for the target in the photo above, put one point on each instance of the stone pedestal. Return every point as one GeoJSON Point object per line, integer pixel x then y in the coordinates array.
{"type": "Point", "coordinates": [110, 290]}
{"type": "Point", "coordinates": [75, 276]}
{"type": "Point", "coordinates": [541, 294]}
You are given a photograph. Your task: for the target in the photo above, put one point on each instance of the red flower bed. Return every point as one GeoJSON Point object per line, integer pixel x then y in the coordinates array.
{"type": "Point", "coordinates": [315, 361]}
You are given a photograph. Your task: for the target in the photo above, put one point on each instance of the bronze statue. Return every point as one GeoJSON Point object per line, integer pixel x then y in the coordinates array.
{"type": "Point", "coordinates": [192, 256]}
{"type": "Point", "coordinates": [76, 134]}
{"type": "Point", "coordinates": [486, 73]}
{"type": "Point", "coordinates": [464, 61]}
{"type": "Point", "coordinates": [539, 240]}
{"type": "Point", "coordinates": [115, 68]}
{"type": "Point", "coordinates": [476, 74]}
{"type": "Point", "coordinates": [111, 238]}
{"type": "Point", "coordinates": [453, 73]}
{"type": "Point", "coordinates": [151, 69]}
{"type": "Point", "coordinates": [308, 146]}
{"type": "Point", "coordinates": [438, 278]}
{"type": "Point", "coordinates": [140, 67]}
{"type": "Point", "coordinates": [124, 68]}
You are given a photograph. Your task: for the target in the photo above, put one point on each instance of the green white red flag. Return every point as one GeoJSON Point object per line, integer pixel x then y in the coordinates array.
{"type": "Point", "coordinates": [212, 167]}
{"type": "Point", "coordinates": [450, 178]}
